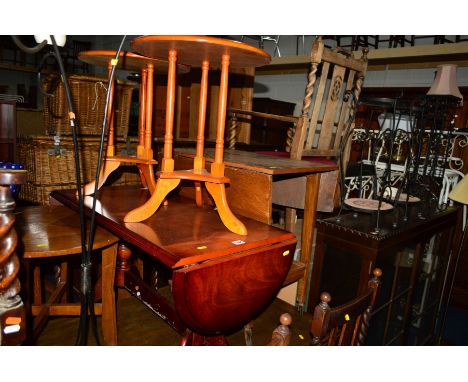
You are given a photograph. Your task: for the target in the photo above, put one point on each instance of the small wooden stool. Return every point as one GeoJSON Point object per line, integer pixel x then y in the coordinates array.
{"type": "Point", "coordinates": [54, 231]}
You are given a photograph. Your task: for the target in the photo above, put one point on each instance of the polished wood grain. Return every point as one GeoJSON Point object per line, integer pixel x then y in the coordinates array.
{"type": "Point", "coordinates": [257, 176]}
{"type": "Point", "coordinates": [54, 232]}
{"type": "Point", "coordinates": [180, 234]}
{"type": "Point", "coordinates": [127, 61]}
{"type": "Point", "coordinates": [220, 280]}
{"type": "Point", "coordinates": [50, 231]}
{"type": "Point", "coordinates": [192, 50]}
{"type": "Point", "coordinates": [239, 286]}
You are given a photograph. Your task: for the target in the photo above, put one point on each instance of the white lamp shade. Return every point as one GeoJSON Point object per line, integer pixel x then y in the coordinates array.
{"type": "Point", "coordinates": [445, 82]}
{"type": "Point", "coordinates": [59, 39]}
{"type": "Point", "coordinates": [460, 192]}
{"type": "Point", "coordinates": [395, 121]}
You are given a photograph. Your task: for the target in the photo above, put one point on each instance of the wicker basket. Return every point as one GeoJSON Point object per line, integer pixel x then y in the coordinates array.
{"type": "Point", "coordinates": [51, 167]}
{"type": "Point", "coordinates": [89, 99]}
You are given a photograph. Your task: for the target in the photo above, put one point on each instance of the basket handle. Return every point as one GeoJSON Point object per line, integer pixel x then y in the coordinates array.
{"type": "Point", "coordinates": [39, 73]}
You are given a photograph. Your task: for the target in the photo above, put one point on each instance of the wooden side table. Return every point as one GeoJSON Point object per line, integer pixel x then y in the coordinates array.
{"type": "Point", "coordinates": [220, 280]}
{"type": "Point", "coordinates": [251, 193]}
{"type": "Point", "coordinates": [144, 158]}
{"type": "Point", "coordinates": [47, 232]}
{"type": "Point", "coordinates": [205, 52]}
{"type": "Point", "coordinates": [413, 256]}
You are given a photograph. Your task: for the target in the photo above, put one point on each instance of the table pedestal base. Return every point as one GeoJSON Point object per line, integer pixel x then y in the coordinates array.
{"type": "Point", "coordinates": [167, 183]}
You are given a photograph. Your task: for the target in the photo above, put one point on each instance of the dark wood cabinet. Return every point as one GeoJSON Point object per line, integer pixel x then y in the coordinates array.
{"type": "Point", "coordinates": [7, 130]}
{"type": "Point", "coordinates": [413, 257]}
{"type": "Point", "coordinates": [460, 291]}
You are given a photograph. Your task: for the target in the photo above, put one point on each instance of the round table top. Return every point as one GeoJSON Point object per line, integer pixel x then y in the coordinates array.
{"type": "Point", "coordinates": [127, 61]}
{"type": "Point", "coordinates": [193, 50]}
{"type": "Point", "coordinates": [47, 231]}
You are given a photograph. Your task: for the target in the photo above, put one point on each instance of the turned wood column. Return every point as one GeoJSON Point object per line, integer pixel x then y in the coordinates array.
{"type": "Point", "coordinates": [12, 312]}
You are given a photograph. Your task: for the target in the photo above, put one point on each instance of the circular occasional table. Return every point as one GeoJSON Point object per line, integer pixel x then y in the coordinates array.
{"type": "Point", "coordinates": [204, 52]}
{"type": "Point", "coordinates": [144, 158]}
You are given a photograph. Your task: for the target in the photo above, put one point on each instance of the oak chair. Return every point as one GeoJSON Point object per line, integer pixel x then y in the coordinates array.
{"type": "Point", "coordinates": [346, 324]}
{"type": "Point", "coordinates": [334, 84]}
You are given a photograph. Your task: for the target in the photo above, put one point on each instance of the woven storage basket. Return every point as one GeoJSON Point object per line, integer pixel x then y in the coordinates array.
{"type": "Point", "coordinates": [48, 171]}
{"type": "Point", "coordinates": [89, 99]}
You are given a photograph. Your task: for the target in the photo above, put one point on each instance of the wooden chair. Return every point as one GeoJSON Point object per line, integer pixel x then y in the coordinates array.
{"type": "Point", "coordinates": [334, 84]}
{"type": "Point", "coordinates": [346, 324]}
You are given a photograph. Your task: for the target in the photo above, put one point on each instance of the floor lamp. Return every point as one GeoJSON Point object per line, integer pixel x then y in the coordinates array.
{"type": "Point", "coordinates": [458, 194]}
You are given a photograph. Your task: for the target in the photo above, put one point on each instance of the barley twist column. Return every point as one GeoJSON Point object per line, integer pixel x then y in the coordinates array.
{"type": "Point", "coordinates": [12, 312]}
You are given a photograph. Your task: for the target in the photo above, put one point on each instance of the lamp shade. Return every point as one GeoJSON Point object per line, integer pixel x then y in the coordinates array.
{"type": "Point", "coordinates": [445, 82]}
{"type": "Point", "coordinates": [460, 191]}
{"type": "Point", "coordinates": [395, 121]}
{"type": "Point", "coordinates": [59, 39]}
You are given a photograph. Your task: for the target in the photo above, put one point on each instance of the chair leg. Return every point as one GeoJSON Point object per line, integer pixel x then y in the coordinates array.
{"type": "Point", "coordinates": [37, 285]}
{"type": "Point", "coordinates": [248, 333]}
{"type": "Point", "coordinates": [308, 231]}
{"type": "Point", "coordinates": [290, 219]}
{"type": "Point", "coordinates": [108, 322]}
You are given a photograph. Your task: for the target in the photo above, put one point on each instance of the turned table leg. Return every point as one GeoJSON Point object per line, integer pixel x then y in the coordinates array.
{"type": "Point", "coordinates": [12, 311]}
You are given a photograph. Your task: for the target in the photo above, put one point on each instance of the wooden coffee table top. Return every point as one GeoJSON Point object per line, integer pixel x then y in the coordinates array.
{"type": "Point", "coordinates": [127, 61]}
{"type": "Point", "coordinates": [48, 231]}
{"type": "Point", "coordinates": [192, 50]}
{"type": "Point", "coordinates": [178, 234]}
